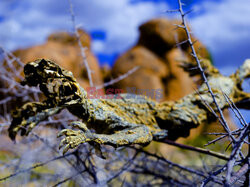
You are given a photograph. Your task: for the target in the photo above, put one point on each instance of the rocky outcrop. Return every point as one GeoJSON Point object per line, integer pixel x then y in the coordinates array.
{"type": "Point", "coordinates": [161, 35]}
{"type": "Point", "coordinates": [158, 59]}
{"type": "Point", "coordinates": [63, 48]}
{"type": "Point", "coordinates": [149, 75]}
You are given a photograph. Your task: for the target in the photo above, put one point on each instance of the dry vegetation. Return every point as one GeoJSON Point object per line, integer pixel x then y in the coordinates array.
{"type": "Point", "coordinates": [36, 160]}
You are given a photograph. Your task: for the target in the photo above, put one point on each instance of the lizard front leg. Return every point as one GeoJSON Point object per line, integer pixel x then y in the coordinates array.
{"type": "Point", "coordinates": [28, 116]}
{"type": "Point", "coordinates": [138, 134]}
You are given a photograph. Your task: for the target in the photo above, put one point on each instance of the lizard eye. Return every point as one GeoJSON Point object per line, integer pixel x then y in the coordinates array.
{"type": "Point", "coordinates": [28, 69]}
{"type": "Point", "coordinates": [43, 63]}
{"type": "Point", "coordinates": [67, 90]}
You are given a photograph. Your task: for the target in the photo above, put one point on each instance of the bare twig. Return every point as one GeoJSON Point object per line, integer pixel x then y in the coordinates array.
{"type": "Point", "coordinates": [33, 167]}
{"type": "Point", "coordinates": [235, 152]}
{"type": "Point", "coordinates": [121, 77]}
{"type": "Point", "coordinates": [83, 49]}
{"type": "Point", "coordinates": [242, 171]}
{"type": "Point", "coordinates": [69, 178]}
{"type": "Point", "coordinates": [237, 113]}
{"type": "Point", "coordinates": [122, 169]}
{"type": "Point", "coordinates": [236, 143]}
{"type": "Point", "coordinates": [236, 132]}
{"type": "Point", "coordinates": [197, 149]}
{"type": "Point", "coordinates": [171, 163]}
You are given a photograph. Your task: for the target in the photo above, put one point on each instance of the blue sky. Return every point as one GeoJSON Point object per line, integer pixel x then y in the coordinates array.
{"type": "Point", "coordinates": [222, 25]}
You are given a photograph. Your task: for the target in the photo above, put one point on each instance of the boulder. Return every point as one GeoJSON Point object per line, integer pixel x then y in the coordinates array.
{"type": "Point", "coordinates": [70, 38]}
{"type": "Point", "coordinates": [159, 59]}
{"type": "Point", "coordinates": [178, 83]}
{"type": "Point", "coordinates": [63, 48]}
{"type": "Point", "coordinates": [152, 70]}
{"type": "Point", "coordinates": [161, 35]}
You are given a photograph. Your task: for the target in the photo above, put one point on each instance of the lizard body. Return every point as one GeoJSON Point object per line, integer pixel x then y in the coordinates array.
{"type": "Point", "coordinates": [123, 119]}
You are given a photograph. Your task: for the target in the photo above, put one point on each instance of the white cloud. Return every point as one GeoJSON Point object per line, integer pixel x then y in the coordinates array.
{"type": "Point", "coordinates": [224, 27]}
{"type": "Point", "coordinates": [227, 21]}
{"type": "Point", "coordinates": [120, 19]}
{"type": "Point", "coordinates": [30, 21]}
{"type": "Point", "coordinates": [26, 23]}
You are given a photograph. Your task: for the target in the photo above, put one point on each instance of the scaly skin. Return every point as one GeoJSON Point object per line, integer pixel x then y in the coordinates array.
{"type": "Point", "coordinates": [125, 119]}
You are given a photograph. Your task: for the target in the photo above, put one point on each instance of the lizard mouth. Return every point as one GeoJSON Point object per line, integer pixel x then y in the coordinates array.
{"type": "Point", "coordinates": [30, 81]}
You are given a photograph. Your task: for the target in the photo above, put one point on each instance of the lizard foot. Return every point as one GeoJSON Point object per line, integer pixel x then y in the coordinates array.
{"type": "Point", "coordinates": [28, 116]}
{"type": "Point", "coordinates": [73, 138]}
{"type": "Point", "coordinates": [25, 127]}
{"type": "Point", "coordinates": [24, 120]}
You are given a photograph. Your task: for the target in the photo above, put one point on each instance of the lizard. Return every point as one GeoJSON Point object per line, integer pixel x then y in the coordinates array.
{"type": "Point", "coordinates": [122, 119]}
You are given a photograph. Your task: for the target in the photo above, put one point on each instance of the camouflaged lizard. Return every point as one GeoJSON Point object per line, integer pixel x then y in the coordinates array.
{"type": "Point", "coordinates": [122, 120]}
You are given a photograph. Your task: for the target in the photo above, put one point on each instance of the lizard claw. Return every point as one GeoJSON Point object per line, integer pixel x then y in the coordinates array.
{"type": "Point", "coordinates": [25, 127]}
{"type": "Point", "coordinates": [66, 132]}
{"type": "Point", "coordinates": [62, 143]}
{"type": "Point", "coordinates": [27, 117]}
{"type": "Point", "coordinates": [65, 150]}
{"type": "Point", "coordinates": [72, 139]}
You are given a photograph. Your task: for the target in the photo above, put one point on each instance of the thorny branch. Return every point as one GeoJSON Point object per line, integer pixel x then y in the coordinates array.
{"type": "Point", "coordinates": [237, 143]}
{"type": "Point", "coordinates": [194, 54]}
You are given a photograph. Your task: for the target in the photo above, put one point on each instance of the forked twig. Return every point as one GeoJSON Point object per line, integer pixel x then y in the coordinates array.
{"type": "Point", "coordinates": [197, 149]}
{"type": "Point", "coordinates": [83, 49]}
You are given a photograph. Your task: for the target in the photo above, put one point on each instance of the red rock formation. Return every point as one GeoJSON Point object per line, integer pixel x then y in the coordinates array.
{"type": "Point", "coordinates": [149, 75]}
{"type": "Point", "coordinates": [63, 48]}
{"type": "Point", "coordinates": [159, 60]}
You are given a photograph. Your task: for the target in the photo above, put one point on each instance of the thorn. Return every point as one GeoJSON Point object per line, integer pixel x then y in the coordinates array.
{"type": "Point", "coordinates": [188, 12]}
{"type": "Point", "coordinates": [180, 43]}
{"type": "Point", "coordinates": [179, 26]}
{"type": "Point", "coordinates": [195, 42]}
{"type": "Point", "coordinates": [192, 54]}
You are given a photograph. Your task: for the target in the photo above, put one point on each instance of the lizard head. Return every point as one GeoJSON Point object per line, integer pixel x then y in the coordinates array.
{"type": "Point", "coordinates": [54, 81]}
{"type": "Point", "coordinates": [39, 71]}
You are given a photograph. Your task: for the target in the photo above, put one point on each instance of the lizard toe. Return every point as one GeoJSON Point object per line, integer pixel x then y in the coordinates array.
{"type": "Point", "coordinates": [79, 125]}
